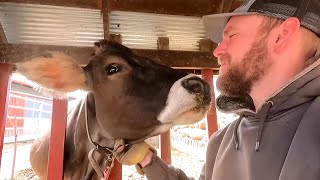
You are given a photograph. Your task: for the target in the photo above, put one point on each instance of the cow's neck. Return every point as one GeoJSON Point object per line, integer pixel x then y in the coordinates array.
{"type": "Point", "coordinates": [95, 131]}
{"type": "Point", "coordinates": [77, 143]}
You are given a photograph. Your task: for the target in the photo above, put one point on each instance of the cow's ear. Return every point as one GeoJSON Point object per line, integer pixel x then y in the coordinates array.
{"type": "Point", "coordinates": [55, 71]}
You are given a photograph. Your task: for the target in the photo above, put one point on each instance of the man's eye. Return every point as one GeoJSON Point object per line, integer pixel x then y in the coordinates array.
{"type": "Point", "coordinates": [113, 68]}
{"type": "Point", "coordinates": [232, 35]}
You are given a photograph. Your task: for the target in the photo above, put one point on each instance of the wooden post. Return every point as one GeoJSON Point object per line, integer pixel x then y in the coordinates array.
{"type": "Point", "coordinates": [5, 82]}
{"type": "Point", "coordinates": [116, 38]}
{"type": "Point", "coordinates": [105, 16]}
{"type": "Point", "coordinates": [165, 140]}
{"type": "Point", "coordinates": [116, 172]}
{"type": "Point", "coordinates": [3, 38]}
{"type": "Point", "coordinates": [57, 138]}
{"type": "Point", "coordinates": [165, 147]}
{"type": "Point", "coordinates": [212, 122]}
{"type": "Point", "coordinates": [206, 45]}
{"type": "Point", "coordinates": [163, 43]}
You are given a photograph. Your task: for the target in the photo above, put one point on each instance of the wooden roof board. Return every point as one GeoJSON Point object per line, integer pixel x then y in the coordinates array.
{"type": "Point", "coordinates": [173, 7]}
{"type": "Point", "coordinates": [14, 53]}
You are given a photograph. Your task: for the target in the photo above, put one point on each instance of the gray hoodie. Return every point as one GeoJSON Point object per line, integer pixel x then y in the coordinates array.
{"type": "Point", "coordinates": [279, 141]}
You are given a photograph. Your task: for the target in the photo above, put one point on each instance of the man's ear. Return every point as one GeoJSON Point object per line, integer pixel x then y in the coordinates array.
{"type": "Point", "coordinates": [285, 33]}
{"type": "Point", "coordinates": [56, 71]}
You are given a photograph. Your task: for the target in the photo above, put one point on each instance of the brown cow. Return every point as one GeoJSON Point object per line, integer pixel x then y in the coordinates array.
{"type": "Point", "coordinates": [129, 97]}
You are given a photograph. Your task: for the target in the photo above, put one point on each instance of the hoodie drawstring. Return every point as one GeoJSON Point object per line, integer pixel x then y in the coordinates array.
{"type": "Point", "coordinates": [263, 117]}
{"type": "Point", "coordinates": [235, 133]}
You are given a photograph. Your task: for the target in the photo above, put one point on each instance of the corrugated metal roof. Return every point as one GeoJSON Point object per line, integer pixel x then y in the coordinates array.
{"type": "Point", "coordinates": [55, 25]}
{"type": "Point", "coordinates": [51, 25]}
{"type": "Point", "coordinates": [142, 30]}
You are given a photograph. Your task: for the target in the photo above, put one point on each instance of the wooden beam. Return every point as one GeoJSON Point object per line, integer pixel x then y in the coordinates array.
{"type": "Point", "coordinates": [3, 38]}
{"type": "Point", "coordinates": [5, 83]}
{"type": "Point", "coordinates": [14, 53]}
{"type": "Point", "coordinates": [172, 7]}
{"type": "Point", "coordinates": [181, 59]}
{"type": "Point", "coordinates": [226, 4]}
{"type": "Point", "coordinates": [235, 4]}
{"type": "Point", "coordinates": [90, 4]}
{"type": "Point", "coordinates": [99, 4]}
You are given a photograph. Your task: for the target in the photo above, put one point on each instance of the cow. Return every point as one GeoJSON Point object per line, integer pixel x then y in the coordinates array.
{"type": "Point", "coordinates": [129, 97]}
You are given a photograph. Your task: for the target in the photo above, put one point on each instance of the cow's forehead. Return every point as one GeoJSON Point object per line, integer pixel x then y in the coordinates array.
{"type": "Point", "coordinates": [107, 50]}
{"type": "Point", "coordinates": [110, 46]}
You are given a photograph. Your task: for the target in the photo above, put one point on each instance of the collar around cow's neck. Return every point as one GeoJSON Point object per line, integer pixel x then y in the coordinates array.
{"type": "Point", "coordinates": [104, 151]}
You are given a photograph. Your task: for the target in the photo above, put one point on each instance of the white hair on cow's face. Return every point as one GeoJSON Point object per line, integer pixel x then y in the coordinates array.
{"type": "Point", "coordinates": [55, 74]}
{"type": "Point", "coordinates": [181, 107]}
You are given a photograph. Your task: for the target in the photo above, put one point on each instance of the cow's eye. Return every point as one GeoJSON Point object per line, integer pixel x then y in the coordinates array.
{"type": "Point", "coordinates": [113, 68]}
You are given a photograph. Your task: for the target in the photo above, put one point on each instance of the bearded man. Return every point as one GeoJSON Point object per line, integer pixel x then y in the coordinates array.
{"type": "Point", "coordinates": [269, 52]}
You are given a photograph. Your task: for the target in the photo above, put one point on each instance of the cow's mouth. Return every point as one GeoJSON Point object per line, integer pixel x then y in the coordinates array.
{"type": "Point", "coordinates": [184, 106]}
{"type": "Point", "coordinates": [192, 115]}
{"type": "Point", "coordinates": [203, 100]}
{"type": "Point", "coordinates": [188, 94]}
{"type": "Point", "coordinates": [188, 116]}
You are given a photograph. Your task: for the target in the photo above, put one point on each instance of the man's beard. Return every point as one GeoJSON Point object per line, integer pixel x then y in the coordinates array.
{"type": "Point", "coordinates": [239, 78]}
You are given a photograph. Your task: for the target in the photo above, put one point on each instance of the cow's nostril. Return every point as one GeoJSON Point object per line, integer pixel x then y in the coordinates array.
{"type": "Point", "coordinates": [193, 85]}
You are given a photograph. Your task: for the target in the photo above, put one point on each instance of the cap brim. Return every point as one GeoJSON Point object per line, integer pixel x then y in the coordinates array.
{"type": "Point", "coordinates": [214, 24]}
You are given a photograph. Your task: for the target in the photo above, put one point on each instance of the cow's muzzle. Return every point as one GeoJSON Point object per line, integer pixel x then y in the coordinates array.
{"type": "Point", "coordinates": [195, 85]}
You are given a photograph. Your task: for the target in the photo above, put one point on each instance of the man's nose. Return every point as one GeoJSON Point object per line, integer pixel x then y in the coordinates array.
{"type": "Point", "coordinates": [220, 49]}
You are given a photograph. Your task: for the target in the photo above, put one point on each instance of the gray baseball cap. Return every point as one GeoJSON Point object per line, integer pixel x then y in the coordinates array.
{"type": "Point", "coordinates": [307, 11]}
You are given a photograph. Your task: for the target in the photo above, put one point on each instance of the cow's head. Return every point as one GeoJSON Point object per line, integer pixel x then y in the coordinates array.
{"type": "Point", "coordinates": [134, 97]}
